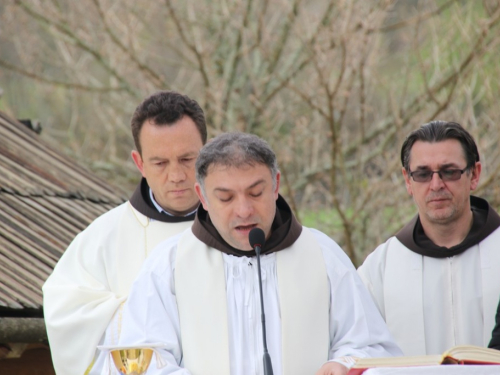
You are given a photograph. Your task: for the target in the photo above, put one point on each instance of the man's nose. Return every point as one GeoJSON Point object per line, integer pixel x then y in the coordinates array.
{"type": "Point", "coordinates": [244, 208]}
{"type": "Point", "coordinates": [176, 174]}
{"type": "Point", "coordinates": [436, 182]}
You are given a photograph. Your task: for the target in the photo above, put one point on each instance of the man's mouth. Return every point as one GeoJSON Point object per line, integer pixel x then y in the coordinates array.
{"type": "Point", "coordinates": [437, 199]}
{"type": "Point", "coordinates": [438, 202]}
{"type": "Point", "coordinates": [245, 228]}
{"type": "Point", "coordinates": [178, 191]}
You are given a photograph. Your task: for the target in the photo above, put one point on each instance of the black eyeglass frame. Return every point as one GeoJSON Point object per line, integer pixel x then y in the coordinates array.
{"type": "Point", "coordinates": [454, 176]}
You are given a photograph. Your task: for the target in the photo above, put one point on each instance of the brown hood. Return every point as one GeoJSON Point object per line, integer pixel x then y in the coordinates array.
{"type": "Point", "coordinates": [284, 231]}
{"type": "Point", "coordinates": [485, 221]}
{"type": "Point", "coordinates": [141, 201]}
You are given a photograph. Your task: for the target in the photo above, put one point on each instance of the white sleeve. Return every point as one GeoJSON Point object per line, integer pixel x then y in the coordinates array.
{"type": "Point", "coordinates": [356, 326]}
{"type": "Point", "coordinates": [150, 314]}
{"type": "Point", "coordinates": [372, 272]}
{"type": "Point", "coordinates": [77, 301]}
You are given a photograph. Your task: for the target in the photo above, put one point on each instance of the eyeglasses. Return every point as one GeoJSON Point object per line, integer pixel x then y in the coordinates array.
{"type": "Point", "coordinates": [444, 174]}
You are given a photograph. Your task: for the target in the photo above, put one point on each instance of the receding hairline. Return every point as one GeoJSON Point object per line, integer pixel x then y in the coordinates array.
{"type": "Point", "coordinates": [235, 150]}
{"type": "Point", "coordinates": [247, 164]}
{"type": "Point", "coordinates": [438, 131]}
{"type": "Point", "coordinates": [431, 142]}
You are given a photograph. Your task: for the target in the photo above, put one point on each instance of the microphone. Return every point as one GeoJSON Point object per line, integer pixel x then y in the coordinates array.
{"type": "Point", "coordinates": [257, 238]}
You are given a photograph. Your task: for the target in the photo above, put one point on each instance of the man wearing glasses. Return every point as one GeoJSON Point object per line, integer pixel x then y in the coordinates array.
{"type": "Point", "coordinates": [437, 281]}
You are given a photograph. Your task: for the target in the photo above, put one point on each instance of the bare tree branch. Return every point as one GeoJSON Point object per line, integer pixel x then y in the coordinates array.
{"type": "Point", "coordinates": [157, 79]}
{"type": "Point", "coordinates": [64, 29]}
{"type": "Point", "coordinates": [191, 46]}
{"type": "Point", "coordinates": [416, 19]}
{"type": "Point", "coordinates": [55, 82]}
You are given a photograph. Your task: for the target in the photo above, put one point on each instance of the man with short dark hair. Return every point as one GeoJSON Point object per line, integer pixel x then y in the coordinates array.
{"type": "Point", "coordinates": [197, 301]}
{"type": "Point", "coordinates": [437, 281]}
{"type": "Point", "coordinates": [83, 296]}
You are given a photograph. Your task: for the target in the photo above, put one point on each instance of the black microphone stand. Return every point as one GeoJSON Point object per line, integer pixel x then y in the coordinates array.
{"type": "Point", "coordinates": [268, 367]}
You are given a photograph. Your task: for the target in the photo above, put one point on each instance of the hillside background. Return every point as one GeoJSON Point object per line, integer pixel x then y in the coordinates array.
{"type": "Point", "coordinates": [334, 86]}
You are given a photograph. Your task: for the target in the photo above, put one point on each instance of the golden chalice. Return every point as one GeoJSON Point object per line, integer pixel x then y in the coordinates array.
{"type": "Point", "coordinates": [132, 361]}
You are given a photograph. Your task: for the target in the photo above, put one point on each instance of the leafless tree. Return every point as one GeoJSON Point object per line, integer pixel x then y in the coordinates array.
{"type": "Point", "coordinates": [334, 86]}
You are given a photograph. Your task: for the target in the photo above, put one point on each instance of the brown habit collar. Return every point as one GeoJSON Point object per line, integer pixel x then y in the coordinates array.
{"type": "Point", "coordinates": [485, 221]}
{"type": "Point", "coordinates": [141, 201]}
{"type": "Point", "coordinates": [284, 231]}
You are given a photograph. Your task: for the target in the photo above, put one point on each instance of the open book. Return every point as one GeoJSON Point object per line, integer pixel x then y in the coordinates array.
{"type": "Point", "coordinates": [458, 355]}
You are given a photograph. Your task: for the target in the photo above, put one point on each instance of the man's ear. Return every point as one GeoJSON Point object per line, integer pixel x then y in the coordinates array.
{"type": "Point", "coordinates": [136, 156]}
{"type": "Point", "coordinates": [199, 193]}
{"type": "Point", "coordinates": [475, 174]}
{"type": "Point", "coordinates": [277, 189]}
{"type": "Point", "coordinates": [407, 181]}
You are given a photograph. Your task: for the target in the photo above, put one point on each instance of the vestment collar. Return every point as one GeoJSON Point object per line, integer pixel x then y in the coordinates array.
{"type": "Point", "coordinates": [485, 221]}
{"type": "Point", "coordinates": [141, 201]}
{"type": "Point", "coordinates": [284, 231]}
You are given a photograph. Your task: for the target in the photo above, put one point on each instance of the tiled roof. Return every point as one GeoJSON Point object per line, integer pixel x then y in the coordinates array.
{"type": "Point", "coordinates": [45, 200]}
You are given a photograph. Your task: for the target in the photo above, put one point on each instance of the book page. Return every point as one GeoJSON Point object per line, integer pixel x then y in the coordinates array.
{"type": "Point", "coordinates": [398, 361]}
{"type": "Point", "coordinates": [473, 354]}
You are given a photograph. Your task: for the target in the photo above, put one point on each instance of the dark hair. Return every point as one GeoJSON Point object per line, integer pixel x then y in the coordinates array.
{"type": "Point", "coordinates": [166, 108]}
{"type": "Point", "coordinates": [438, 131]}
{"type": "Point", "coordinates": [235, 150]}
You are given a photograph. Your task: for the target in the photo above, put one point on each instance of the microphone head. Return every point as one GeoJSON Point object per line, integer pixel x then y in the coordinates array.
{"type": "Point", "coordinates": [256, 237]}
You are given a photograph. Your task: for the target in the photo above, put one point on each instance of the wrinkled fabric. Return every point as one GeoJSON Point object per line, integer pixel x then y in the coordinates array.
{"type": "Point", "coordinates": [453, 299]}
{"type": "Point", "coordinates": [151, 313]}
{"type": "Point", "coordinates": [90, 282]}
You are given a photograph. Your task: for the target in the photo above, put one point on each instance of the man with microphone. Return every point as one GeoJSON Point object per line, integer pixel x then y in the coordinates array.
{"type": "Point", "coordinates": [201, 296]}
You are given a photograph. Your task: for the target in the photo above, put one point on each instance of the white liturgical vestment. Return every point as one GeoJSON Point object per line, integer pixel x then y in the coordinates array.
{"type": "Point", "coordinates": [92, 279]}
{"type": "Point", "coordinates": [151, 314]}
{"type": "Point", "coordinates": [432, 304]}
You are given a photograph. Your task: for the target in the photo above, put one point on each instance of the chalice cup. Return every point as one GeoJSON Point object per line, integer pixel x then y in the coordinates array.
{"type": "Point", "coordinates": [132, 361]}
